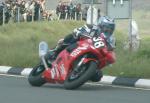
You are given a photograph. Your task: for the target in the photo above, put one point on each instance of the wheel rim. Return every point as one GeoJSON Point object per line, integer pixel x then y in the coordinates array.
{"type": "Point", "coordinates": [77, 72]}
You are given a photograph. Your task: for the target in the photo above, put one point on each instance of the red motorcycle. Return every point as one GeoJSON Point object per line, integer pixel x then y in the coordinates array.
{"type": "Point", "coordinates": [75, 65]}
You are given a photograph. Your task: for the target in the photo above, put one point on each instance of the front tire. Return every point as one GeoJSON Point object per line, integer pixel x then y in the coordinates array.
{"type": "Point", "coordinates": [88, 73]}
{"type": "Point", "coordinates": [98, 76]}
{"type": "Point", "coordinates": [35, 77]}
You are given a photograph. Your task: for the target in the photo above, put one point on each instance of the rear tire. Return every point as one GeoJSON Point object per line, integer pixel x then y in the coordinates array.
{"type": "Point", "coordinates": [90, 71]}
{"type": "Point", "coordinates": [35, 77]}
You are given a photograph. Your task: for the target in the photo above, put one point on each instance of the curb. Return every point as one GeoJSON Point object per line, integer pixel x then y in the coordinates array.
{"type": "Point", "coordinates": [111, 80]}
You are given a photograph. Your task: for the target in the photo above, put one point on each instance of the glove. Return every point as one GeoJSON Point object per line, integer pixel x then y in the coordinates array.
{"type": "Point", "coordinates": [76, 33]}
{"type": "Point", "coordinates": [60, 41]}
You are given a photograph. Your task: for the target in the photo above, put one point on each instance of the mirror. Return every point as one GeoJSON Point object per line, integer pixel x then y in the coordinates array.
{"type": "Point", "coordinates": [43, 48]}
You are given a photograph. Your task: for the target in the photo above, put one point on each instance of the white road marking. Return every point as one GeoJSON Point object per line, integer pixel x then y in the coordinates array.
{"type": "Point", "coordinates": [17, 76]}
{"type": "Point", "coordinates": [99, 84]}
{"type": "Point", "coordinates": [115, 86]}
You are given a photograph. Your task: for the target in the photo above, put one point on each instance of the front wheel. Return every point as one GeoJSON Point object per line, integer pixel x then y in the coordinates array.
{"type": "Point", "coordinates": [98, 76]}
{"type": "Point", "coordinates": [78, 78]}
{"type": "Point", "coordinates": [35, 77]}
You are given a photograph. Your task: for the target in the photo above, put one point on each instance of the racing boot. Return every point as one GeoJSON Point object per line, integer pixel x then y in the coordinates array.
{"type": "Point", "coordinates": [52, 54]}
{"type": "Point", "coordinates": [49, 57]}
{"type": "Point", "coordinates": [58, 49]}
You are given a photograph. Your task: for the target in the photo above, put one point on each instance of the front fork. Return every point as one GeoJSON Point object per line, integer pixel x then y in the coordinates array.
{"type": "Point", "coordinates": [44, 62]}
{"type": "Point", "coordinates": [82, 60]}
{"type": "Point", "coordinates": [85, 60]}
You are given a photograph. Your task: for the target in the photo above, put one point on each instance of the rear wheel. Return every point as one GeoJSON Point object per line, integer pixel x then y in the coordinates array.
{"type": "Point", "coordinates": [80, 75]}
{"type": "Point", "coordinates": [35, 77]}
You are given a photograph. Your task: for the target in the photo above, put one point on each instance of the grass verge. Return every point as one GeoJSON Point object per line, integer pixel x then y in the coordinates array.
{"type": "Point", "coordinates": [19, 42]}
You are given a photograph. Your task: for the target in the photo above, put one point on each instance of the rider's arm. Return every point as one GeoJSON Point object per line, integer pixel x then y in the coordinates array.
{"type": "Point", "coordinates": [82, 30]}
{"type": "Point", "coordinates": [111, 44]}
{"type": "Point", "coordinates": [110, 57]}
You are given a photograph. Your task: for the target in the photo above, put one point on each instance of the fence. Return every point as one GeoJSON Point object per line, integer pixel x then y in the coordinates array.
{"type": "Point", "coordinates": [31, 16]}
{"type": "Point", "coordinates": [70, 16]}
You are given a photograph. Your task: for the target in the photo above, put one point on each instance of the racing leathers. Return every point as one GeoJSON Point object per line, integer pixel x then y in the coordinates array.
{"type": "Point", "coordinates": [75, 36]}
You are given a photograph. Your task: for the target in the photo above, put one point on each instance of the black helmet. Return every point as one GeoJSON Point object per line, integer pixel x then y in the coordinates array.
{"type": "Point", "coordinates": [106, 25]}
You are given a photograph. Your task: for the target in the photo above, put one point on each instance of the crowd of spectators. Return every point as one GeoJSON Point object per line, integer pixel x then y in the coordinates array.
{"type": "Point", "coordinates": [34, 10]}
{"type": "Point", "coordinates": [68, 10]}
{"type": "Point", "coordinates": [25, 10]}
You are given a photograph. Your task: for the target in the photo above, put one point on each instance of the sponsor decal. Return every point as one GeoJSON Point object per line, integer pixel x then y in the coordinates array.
{"type": "Point", "coordinates": [78, 50]}
{"type": "Point", "coordinates": [62, 69]}
{"type": "Point", "coordinates": [54, 71]}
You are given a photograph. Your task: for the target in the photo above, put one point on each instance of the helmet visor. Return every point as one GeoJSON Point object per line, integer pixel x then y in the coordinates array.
{"type": "Point", "coordinates": [108, 31]}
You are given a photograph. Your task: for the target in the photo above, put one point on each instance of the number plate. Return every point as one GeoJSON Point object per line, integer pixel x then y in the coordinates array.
{"type": "Point", "coordinates": [98, 42]}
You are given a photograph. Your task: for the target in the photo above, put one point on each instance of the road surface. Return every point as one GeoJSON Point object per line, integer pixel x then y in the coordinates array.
{"type": "Point", "coordinates": [17, 90]}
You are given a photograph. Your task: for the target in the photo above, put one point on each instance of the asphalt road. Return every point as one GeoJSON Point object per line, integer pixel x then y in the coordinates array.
{"type": "Point", "coordinates": [17, 90]}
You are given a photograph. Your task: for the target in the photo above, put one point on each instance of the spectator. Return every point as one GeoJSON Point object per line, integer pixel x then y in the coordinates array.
{"type": "Point", "coordinates": [78, 11]}
{"type": "Point", "coordinates": [69, 8]}
{"type": "Point", "coordinates": [6, 13]}
{"type": "Point", "coordinates": [37, 10]}
{"type": "Point", "coordinates": [1, 3]}
{"type": "Point", "coordinates": [84, 13]}
{"type": "Point", "coordinates": [58, 9]}
{"type": "Point", "coordinates": [42, 2]}
{"type": "Point", "coordinates": [99, 13]}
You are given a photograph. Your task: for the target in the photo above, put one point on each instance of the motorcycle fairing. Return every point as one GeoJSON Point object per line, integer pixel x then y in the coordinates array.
{"type": "Point", "coordinates": [62, 66]}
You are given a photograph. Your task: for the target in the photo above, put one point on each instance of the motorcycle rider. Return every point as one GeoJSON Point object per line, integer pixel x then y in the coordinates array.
{"type": "Point", "coordinates": [105, 27]}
